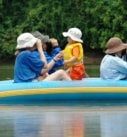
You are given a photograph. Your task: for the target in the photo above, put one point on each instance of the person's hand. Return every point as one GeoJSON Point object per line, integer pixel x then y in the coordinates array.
{"type": "Point", "coordinates": [58, 56]}
{"type": "Point", "coordinates": [54, 42]}
{"type": "Point", "coordinates": [61, 54]}
{"type": "Point", "coordinates": [65, 62]}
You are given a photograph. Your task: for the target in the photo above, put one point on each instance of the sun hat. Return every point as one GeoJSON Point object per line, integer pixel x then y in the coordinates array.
{"type": "Point", "coordinates": [74, 33]}
{"type": "Point", "coordinates": [43, 38]}
{"type": "Point", "coordinates": [25, 40]}
{"type": "Point", "coordinates": [114, 45]}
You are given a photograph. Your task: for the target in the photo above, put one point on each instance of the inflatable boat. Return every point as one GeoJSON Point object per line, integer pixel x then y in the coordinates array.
{"type": "Point", "coordinates": [86, 89]}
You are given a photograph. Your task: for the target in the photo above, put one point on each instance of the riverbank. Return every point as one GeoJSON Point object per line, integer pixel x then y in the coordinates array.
{"type": "Point", "coordinates": [90, 58]}
{"type": "Point", "coordinates": [93, 57]}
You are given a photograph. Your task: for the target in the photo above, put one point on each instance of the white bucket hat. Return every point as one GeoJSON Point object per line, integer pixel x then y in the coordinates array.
{"type": "Point", "coordinates": [25, 40]}
{"type": "Point", "coordinates": [74, 33]}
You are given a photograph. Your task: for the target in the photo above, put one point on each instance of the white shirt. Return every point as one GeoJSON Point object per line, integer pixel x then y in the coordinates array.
{"type": "Point", "coordinates": [113, 67]}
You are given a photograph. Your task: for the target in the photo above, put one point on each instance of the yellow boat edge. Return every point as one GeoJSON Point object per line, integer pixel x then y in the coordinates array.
{"type": "Point", "coordinates": [71, 90]}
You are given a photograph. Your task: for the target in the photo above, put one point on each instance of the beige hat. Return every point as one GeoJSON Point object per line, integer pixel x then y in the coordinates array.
{"type": "Point", "coordinates": [25, 40]}
{"type": "Point", "coordinates": [43, 38]}
{"type": "Point", "coordinates": [74, 33]}
{"type": "Point", "coordinates": [114, 45]}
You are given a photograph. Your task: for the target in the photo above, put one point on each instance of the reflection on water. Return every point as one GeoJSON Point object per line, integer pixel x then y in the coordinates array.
{"type": "Point", "coordinates": [61, 121]}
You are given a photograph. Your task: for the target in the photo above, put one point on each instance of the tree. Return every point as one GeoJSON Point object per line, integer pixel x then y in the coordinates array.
{"type": "Point", "coordinates": [98, 20]}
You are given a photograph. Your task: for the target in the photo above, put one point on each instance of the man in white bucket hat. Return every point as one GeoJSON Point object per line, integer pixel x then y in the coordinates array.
{"type": "Point", "coordinates": [73, 54]}
{"type": "Point", "coordinates": [29, 67]}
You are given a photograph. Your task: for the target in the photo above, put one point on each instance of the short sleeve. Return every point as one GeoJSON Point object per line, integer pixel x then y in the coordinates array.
{"type": "Point", "coordinates": [75, 51]}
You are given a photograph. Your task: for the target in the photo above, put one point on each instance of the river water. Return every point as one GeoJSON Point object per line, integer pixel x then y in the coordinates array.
{"type": "Point", "coordinates": [6, 71]}
{"type": "Point", "coordinates": [63, 119]}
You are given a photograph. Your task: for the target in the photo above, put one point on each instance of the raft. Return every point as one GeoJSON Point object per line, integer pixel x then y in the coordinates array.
{"type": "Point", "coordinates": [86, 89]}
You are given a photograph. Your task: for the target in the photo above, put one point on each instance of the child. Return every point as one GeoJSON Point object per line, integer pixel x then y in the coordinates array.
{"type": "Point", "coordinates": [73, 54]}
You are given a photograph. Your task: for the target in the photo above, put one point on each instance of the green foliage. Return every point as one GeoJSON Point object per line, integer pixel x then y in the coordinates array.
{"type": "Point", "coordinates": [98, 20]}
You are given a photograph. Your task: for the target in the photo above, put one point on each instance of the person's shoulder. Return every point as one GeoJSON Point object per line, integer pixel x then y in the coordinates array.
{"type": "Point", "coordinates": [57, 48]}
{"type": "Point", "coordinates": [107, 58]}
{"type": "Point", "coordinates": [25, 52]}
{"type": "Point", "coordinates": [114, 59]}
{"type": "Point", "coordinates": [77, 45]}
{"type": "Point", "coordinates": [30, 54]}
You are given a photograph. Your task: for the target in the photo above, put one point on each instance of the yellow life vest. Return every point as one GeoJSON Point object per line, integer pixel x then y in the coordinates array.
{"type": "Point", "coordinates": [68, 53]}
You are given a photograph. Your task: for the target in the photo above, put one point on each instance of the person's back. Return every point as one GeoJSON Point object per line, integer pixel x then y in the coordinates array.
{"type": "Point", "coordinates": [112, 67]}
{"type": "Point", "coordinates": [27, 67]}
